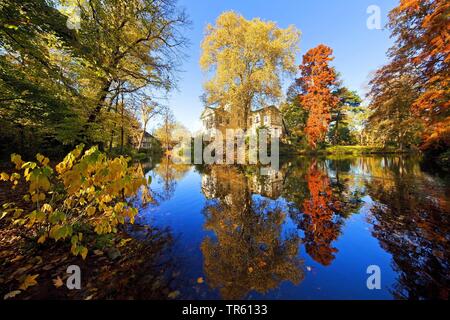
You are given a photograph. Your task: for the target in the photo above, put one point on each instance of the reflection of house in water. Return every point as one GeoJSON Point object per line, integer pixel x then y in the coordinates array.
{"type": "Point", "coordinates": [215, 185]}
{"type": "Point", "coordinates": [270, 186]}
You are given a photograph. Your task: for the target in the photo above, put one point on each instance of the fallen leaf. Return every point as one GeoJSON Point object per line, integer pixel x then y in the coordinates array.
{"type": "Point", "coordinates": [250, 269]}
{"type": "Point", "coordinates": [173, 294]}
{"type": "Point", "coordinates": [42, 239]}
{"type": "Point", "coordinates": [29, 282]}
{"type": "Point", "coordinates": [11, 294]}
{"type": "Point", "coordinates": [17, 258]}
{"type": "Point", "coordinates": [58, 282]}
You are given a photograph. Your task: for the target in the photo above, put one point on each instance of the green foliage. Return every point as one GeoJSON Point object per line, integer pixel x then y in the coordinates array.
{"type": "Point", "coordinates": [357, 150]}
{"type": "Point", "coordinates": [339, 132]}
{"type": "Point", "coordinates": [294, 117]}
{"type": "Point", "coordinates": [60, 86]}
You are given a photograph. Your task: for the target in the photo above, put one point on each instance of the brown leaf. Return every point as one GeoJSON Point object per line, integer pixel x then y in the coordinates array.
{"type": "Point", "coordinates": [29, 281]}
{"type": "Point", "coordinates": [58, 282]}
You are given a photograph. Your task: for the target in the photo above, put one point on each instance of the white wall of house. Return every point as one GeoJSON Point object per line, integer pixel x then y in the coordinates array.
{"type": "Point", "coordinates": [257, 120]}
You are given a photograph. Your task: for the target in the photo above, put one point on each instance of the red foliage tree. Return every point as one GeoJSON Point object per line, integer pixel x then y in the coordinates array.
{"type": "Point", "coordinates": [319, 225]}
{"type": "Point", "coordinates": [316, 83]}
{"type": "Point", "coordinates": [421, 29]}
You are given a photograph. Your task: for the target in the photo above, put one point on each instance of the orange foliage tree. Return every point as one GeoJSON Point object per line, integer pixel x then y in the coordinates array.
{"type": "Point", "coordinates": [421, 29]}
{"type": "Point", "coordinates": [319, 225]}
{"type": "Point", "coordinates": [316, 83]}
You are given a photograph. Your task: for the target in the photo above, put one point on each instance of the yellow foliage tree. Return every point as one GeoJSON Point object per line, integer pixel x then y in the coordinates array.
{"type": "Point", "coordinates": [247, 59]}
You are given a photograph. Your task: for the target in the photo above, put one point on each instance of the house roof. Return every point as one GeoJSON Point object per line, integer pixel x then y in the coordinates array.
{"type": "Point", "coordinates": [272, 107]}
{"type": "Point", "coordinates": [221, 109]}
{"type": "Point", "coordinates": [148, 135]}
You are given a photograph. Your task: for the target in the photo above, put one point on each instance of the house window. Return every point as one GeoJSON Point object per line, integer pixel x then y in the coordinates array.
{"type": "Point", "coordinates": [266, 119]}
{"type": "Point", "coordinates": [257, 119]}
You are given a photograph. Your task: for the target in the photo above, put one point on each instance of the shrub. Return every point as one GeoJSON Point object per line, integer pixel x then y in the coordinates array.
{"type": "Point", "coordinates": [87, 189]}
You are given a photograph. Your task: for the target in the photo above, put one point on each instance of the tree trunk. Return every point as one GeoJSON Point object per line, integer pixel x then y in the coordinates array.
{"type": "Point", "coordinates": [121, 127]}
{"type": "Point", "coordinates": [336, 128]}
{"type": "Point", "coordinates": [101, 101]}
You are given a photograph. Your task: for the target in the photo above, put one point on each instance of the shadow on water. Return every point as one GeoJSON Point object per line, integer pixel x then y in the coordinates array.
{"type": "Point", "coordinates": [285, 234]}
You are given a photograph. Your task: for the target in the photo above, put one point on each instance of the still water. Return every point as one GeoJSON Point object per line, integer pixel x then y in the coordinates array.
{"type": "Point", "coordinates": [307, 231]}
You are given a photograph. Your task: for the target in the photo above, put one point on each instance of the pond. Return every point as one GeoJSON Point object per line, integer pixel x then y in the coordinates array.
{"type": "Point", "coordinates": [307, 231]}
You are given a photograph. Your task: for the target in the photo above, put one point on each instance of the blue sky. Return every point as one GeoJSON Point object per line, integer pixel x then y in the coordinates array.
{"type": "Point", "coordinates": [341, 25]}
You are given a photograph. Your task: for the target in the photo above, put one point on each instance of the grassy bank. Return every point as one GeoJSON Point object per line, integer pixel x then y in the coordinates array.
{"type": "Point", "coordinates": [348, 150]}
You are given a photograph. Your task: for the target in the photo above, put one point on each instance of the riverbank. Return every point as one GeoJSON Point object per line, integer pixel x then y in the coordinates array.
{"type": "Point", "coordinates": [345, 150]}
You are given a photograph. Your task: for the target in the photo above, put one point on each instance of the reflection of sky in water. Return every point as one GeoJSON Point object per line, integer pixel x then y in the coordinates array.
{"type": "Point", "coordinates": [344, 278]}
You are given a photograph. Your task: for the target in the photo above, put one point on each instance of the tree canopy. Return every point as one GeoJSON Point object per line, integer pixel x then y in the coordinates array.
{"type": "Point", "coordinates": [246, 60]}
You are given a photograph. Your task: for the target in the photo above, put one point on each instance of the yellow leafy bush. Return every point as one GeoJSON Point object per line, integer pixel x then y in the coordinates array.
{"type": "Point", "coordinates": [87, 189]}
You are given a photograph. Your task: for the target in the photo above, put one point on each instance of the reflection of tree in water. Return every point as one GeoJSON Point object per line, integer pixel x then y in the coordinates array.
{"type": "Point", "coordinates": [250, 252]}
{"type": "Point", "coordinates": [168, 173]}
{"type": "Point", "coordinates": [319, 205]}
{"type": "Point", "coordinates": [320, 224]}
{"type": "Point", "coordinates": [411, 220]}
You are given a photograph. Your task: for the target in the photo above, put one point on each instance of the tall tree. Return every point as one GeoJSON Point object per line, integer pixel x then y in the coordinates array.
{"type": "Point", "coordinates": [132, 45]}
{"type": "Point", "coordinates": [38, 97]}
{"type": "Point", "coordinates": [294, 115]}
{"type": "Point", "coordinates": [148, 111]}
{"type": "Point", "coordinates": [349, 101]}
{"type": "Point", "coordinates": [391, 121]}
{"type": "Point", "coordinates": [58, 86]}
{"type": "Point", "coordinates": [247, 59]}
{"type": "Point", "coordinates": [317, 81]}
{"type": "Point", "coordinates": [421, 29]}
{"type": "Point", "coordinates": [164, 132]}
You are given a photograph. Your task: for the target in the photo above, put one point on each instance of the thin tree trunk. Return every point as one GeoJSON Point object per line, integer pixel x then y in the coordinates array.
{"type": "Point", "coordinates": [336, 129]}
{"type": "Point", "coordinates": [121, 127]}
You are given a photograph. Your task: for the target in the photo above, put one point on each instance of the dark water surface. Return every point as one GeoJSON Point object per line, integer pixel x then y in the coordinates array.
{"type": "Point", "coordinates": [307, 231]}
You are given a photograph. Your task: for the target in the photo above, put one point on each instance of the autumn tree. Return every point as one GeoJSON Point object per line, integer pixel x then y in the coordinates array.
{"type": "Point", "coordinates": [316, 81]}
{"type": "Point", "coordinates": [391, 121]}
{"type": "Point", "coordinates": [164, 132]}
{"type": "Point", "coordinates": [246, 60]}
{"type": "Point", "coordinates": [39, 104]}
{"type": "Point", "coordinates": [134, 46]}
{"type": "Point", "coordinates": [421, 30]}
{"type": "Point", "coordinates": [59, 86]}
{"type": "Point", "coordinates": [148, 110]}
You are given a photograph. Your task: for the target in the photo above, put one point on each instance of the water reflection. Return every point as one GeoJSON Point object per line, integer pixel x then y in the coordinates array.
{"type": "Point", "coordinates": [412, 222]}
{"type": "Point", "coordinates": [249, 251]}
{"type": "Point", "coordinates": [257, 231]}
{"type": "Point", "coordinates": [168, 173]}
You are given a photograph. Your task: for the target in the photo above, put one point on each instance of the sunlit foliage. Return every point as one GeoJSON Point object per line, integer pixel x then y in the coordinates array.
{"type": "Point", "coordinates": [317, 80]}
{"type": "Point", "coordinates": [421, 30]}
{"type": "Point", "coordinates": [88, 190]}
{"type": "Point", "coordinates": [246, 60]}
